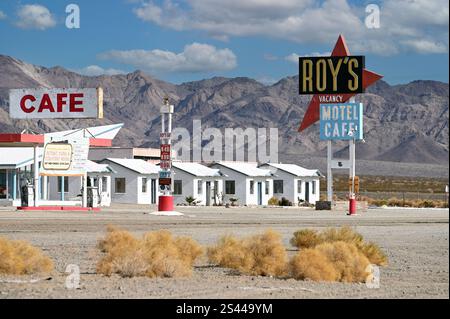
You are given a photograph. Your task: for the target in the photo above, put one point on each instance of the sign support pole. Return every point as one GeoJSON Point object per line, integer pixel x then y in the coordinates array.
{"type": "Point", "coordinates": [84, 178]}
{"type": "Point", "coordinates": [352, 172]}
{"type": "Point", "coordinates": [36, 176]}
{"type": "Point", "coordinates": [329, 172]}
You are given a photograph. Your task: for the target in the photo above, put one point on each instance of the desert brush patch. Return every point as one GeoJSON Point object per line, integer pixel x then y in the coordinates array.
{"type": "Point", "coordinates": [156, 254]}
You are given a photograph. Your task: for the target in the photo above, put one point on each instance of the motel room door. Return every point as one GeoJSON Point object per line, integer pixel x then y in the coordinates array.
{"type": "Point", "coordinates": [208, 193]}
{"type": "Point", "coordinates": [153, 191]}
{"type": "Point", "coordinates": [259, 193]}
{"type": "Point", "coordinates": [307, 192]}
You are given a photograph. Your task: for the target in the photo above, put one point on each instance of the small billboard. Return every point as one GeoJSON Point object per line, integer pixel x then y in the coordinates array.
{"type": "Point", "coordinates": [343, 121]}
{"type": "Point", "coordinates": [55, 103]}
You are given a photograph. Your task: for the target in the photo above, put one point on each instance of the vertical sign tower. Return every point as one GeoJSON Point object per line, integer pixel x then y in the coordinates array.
{"type": "Point", "coordinates": [165, 201]}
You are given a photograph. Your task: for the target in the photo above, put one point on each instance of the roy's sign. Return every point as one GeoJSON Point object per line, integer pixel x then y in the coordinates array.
{"type": "Point", "coordinates": [331, 75]}
{"type": "Point", "coordinates": [342, 121]}
{"type": "Point", "coordinates": [56, 103]}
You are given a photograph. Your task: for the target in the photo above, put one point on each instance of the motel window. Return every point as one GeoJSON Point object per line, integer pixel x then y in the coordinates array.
{"type": "Point", "coordinates": [104, 184]}
{"type": "Point", "coordinates": [267, 187]}
{"type": "Point", "coordinates": [278, 187]}
{"type": "Point", "coordinates": [299, 186]}
{"type": "Point", "coordinates": [144, 185]}
{"type": "Point", "coordinates": [120, 185]}
{"type": "Point", "coordinates": [177, 187]}
{"type": "Point", "coordinates": [252, 187]}
{"type": "Point", "coordinates": [313, 187]}
{"type": "Point", "coordinates": [199, 187]}
{"type": "Point", "coordinates": [66, 183]}
{"type": "Point", "coordinates": [230, 187]}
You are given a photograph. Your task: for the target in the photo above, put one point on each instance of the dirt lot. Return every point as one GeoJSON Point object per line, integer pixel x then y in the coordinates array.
{"type": "Point", "coordinates": [416, 241]}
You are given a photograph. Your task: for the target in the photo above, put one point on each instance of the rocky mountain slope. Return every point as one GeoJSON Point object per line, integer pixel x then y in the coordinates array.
{"type": "Point", "coordinates": [405, 123]}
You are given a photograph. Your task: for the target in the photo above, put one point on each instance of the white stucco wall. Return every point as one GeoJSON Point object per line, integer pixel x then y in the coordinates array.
{"type": "Point", "coordinates": [190, 187]}
{"type": "Point", "coordinates": [252, 199]}
{"type": "Point", "coordinates": [242, 187]}
{"type": "Point", "coordinates": [290, 186]}
{"type": "Point", "coordinates": [133, 189]}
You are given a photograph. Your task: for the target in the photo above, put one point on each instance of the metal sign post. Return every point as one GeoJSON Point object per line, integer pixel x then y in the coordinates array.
{"type": "Point", "coordinates": [165, 182]}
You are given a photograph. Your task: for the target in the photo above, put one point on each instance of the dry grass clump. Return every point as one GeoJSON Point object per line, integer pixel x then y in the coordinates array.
{"type": "Point", "coordinates": [20, 258]}
{"type": "Point", "coordinates": [311, 264]}
{"type": "Point", "coordinates": [259, 255]}
{"type": "Point", "coordinates": [306, 238]}
{"type": "Point", "coordinates": [335, 261]}
{"type": "Point", "coordinates": [309, 239]}
{"type": "Point", "coordinates": [157, 254]}
{"type": "Point", "coordinates": [349, 262]}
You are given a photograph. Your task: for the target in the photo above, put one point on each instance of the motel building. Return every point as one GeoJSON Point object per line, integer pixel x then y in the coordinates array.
{"type": "Point", "coordinates": [245, 182]}
{"type": "Point", "coordinates": [135, 181]}
{"type": "Point", "coordinates": [195, 180]}
{"type": "Point", "coordinates": [295, 183]}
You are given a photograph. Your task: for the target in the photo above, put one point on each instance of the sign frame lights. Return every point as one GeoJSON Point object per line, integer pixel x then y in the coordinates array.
{"type": "Point", "coordinates": [342, 121]}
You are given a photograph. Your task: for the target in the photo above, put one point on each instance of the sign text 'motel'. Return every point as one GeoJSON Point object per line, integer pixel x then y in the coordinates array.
{"type": "Point", "coordinates": [331, 75]}
{"type": "Point", "coordinates": [56, 103]}
{"type": "Point", "coordinates": [342, 121]}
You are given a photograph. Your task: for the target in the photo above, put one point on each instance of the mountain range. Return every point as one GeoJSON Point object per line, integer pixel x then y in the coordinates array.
{"type": "Point", "coordinates": [403, 123]}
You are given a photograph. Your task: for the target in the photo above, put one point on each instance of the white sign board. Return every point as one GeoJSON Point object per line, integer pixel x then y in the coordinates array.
{"type": "Point", "coordinates": [65, 156]}
{"type": "Point", "coordinates": [340, 163]}
{"type": "Point", "coordinates": [55, 103]}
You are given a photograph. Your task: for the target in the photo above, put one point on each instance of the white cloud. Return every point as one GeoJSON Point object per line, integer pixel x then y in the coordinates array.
{"type": "Point", "coordinates": [2, 15]}
{"type": "Point", "coordinates": [35, 16]}
{"type": "Point", "coordinates": [310, 21]}
{"type": "Point", "coordinates": [195, 57]}
{"type": "Point", "coordinates": [95, 70]}
{"type": "Point", "coordinates": [293, 57]}
{"type": "Point", "coordinates": [426, 46]}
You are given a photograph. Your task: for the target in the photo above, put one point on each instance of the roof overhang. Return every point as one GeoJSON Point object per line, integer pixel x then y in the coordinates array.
{"type": "Point", "coordinates": [30, 140]}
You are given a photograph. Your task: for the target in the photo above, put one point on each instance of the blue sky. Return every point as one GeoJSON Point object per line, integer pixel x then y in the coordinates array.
{"type": "Point", "coordinates": [188, 40]}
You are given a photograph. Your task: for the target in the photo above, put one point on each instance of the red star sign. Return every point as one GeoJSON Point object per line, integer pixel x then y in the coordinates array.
{"type": "Point", "coordinates": [312, 114]}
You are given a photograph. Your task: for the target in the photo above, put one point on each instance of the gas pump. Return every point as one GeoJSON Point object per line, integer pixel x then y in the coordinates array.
{"type": "Point", "coordinates": [92, 194]}
{"type": "Point", "coordinates": [26, 193]}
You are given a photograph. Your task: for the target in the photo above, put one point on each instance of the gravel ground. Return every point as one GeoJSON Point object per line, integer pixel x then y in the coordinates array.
{"type": "Point", "coordinates": [415, 240]}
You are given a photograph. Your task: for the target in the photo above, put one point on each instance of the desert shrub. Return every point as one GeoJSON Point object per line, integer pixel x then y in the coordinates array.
{"type": "Point", "coordinates": [261, 254]}
{"type": "Point", "coordinates": [157, 254]}
{"type": "Point", "coordinates": [273, 201]}
{"type": "Point", "coordinates": [306, 238]}
{"type": "Point", "coordinates": [426, 204]}
{"type": "Point", "coordinates": [373, 252]}
{"type": "Point", "coordinates": [284, 202]}
{"type": "Point", "coordinates": [312, 264]}
{"type": "Point", "coordinates": [348, 261]}
{"type": "Point", "coordinates": [395, 202]}
{"type": "Point", "coordinates": [20, 258]}
{"type": "Point", "coordinates": [189, 200]}
{"type": "Point", "coordinates": [345, 234]}
{"type": "Point", "coordinates": [377, 202]}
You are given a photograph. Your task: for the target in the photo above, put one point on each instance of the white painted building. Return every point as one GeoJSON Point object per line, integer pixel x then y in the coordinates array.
{"type": "Point", "coordinates": [99, 178]}
{"type": "Point", "coordinates": [245, 182]}
{"type": "Point", "coordinates": [16, 169]}
{"type": "Point", "coordinates": [295, 183]}
{"type": "Point", "coordinates": [135, 181]}
{"type": "Point", "coordinates": [204, 184]}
